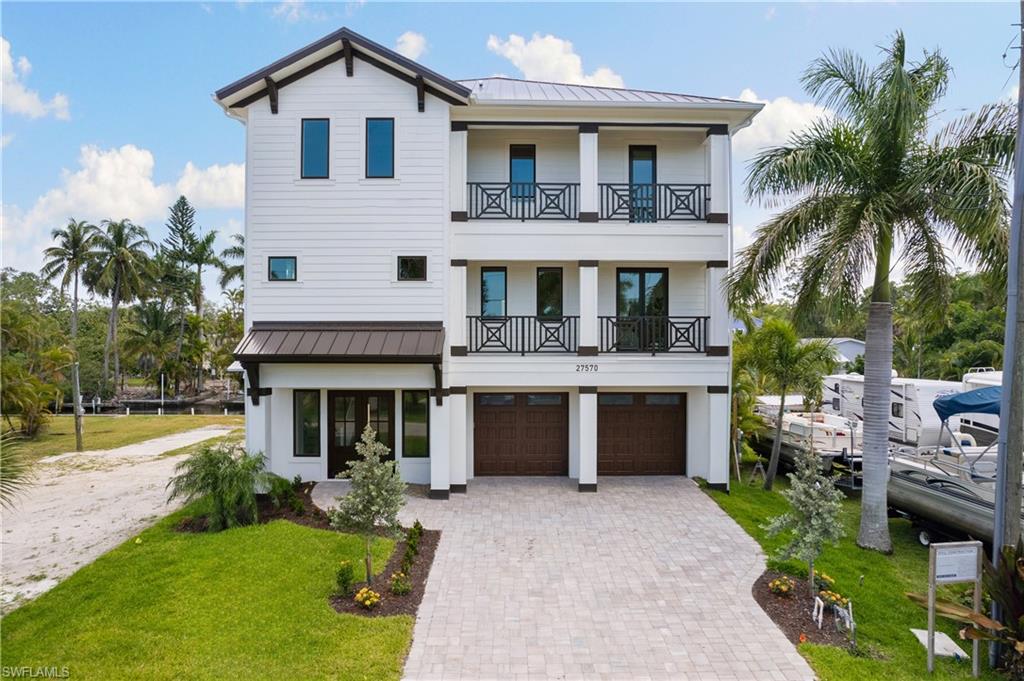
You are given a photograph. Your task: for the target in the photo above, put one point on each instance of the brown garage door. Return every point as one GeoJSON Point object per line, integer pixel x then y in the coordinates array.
{"type": "Point", "coordinates": [521, 434]}
{"type": "Point", "coordinates": [641, 434]}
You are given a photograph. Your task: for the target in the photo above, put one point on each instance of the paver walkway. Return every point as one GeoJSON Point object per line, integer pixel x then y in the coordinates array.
{"type": "Point", "coordinates": [647, 579]}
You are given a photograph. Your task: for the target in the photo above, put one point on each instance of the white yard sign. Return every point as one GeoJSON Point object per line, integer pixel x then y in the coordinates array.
{"type": "Point", "coordinates": [949, 563]}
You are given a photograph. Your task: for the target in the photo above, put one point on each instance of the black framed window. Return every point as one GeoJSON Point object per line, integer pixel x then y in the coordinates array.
{"type": "Point", "coordinates": [492, 291]}
{"type": "Point", "coordinates": [549, 291]}
{"type": "Point", "coordinates": [282, 268]}
{"type": "Point", "coordinates": [641, 293]}
{"type": "Point", "coordinates": [380, 147]}
{"type": "Point", "coordinates": [316, 144]}
{"type": "Point", "coordinates": [522, 170]}
{"type": "Point", "coordinates": [496, 400]}
{"type": "Point", "coordinates": [306, 408]}
{"type": "Point", "coordinates": [615, 400]}
{"type": "Point", "coordinates": [543, 399]}
{"type": "Point", "coordinates": [412, 268]}
{"type": "Point", "coordinates": [661, 400]}
{"type": "Point", "coordinates": [897, 410]}
{"type": "Point", "coordinates": [415, 424]}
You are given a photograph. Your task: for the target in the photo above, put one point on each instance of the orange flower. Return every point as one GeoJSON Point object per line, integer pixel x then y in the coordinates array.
{"type": "Point", "coordinates": [803, 638]}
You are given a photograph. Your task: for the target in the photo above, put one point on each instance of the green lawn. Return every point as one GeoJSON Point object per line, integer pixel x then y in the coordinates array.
{"type": "Point", "coordinates": [107, 432]}
{"type": "Point", "coordinates": [246, 603]}
{"type": "Point", "coordinates": [883, 614]}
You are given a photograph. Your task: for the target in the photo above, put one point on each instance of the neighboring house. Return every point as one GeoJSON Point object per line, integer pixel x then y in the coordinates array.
{"type": "Point", "coordinates": [847, 349]}
{"type": "Point", "coordinates": [503, 277]}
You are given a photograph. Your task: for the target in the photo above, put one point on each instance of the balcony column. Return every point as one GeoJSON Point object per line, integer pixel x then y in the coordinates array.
{"type": "Point", "coordinates": [458, 147]}
{"type": "Point", "coordinates": [719, 162]}
{"type": "Point", "coordinates": [718, 436]}
{"type": "Point", "coordinates": [719, 333]}
{"type": "Point", "coordinates": [588, 340]}
{"type": "Point", "coordinates": [588, 173]}
{"type": "Point", "coordinates": [588, 439]}
{"type": "Point", "coordinates": [457, 438]}
{"type": "Point", "coordinates": [457, 308]}
{"type": "Point", "coordinates": [440, 456]}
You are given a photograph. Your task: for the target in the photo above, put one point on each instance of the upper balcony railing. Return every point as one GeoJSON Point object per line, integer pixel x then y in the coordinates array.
{"type": "Point", "coordinates": [653, 334]}
{"type": "Point", "coordinates": [523, 200]}
{"type": "Point", "coordinates": [522, 334]}
{"type": "Point", "coordinates": [653, 202]}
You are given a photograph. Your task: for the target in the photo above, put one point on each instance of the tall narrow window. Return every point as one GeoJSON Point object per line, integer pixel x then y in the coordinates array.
{"type": "Point", "coordinates": [522, 170]}
{"type": "Point", "coordinates": [415, 423]}
{"type": "Point", "coordinates": [380, 147]}
{"type": "Point", "coordinates": [281, 268]}
{"type": "Point", "coordinates": [307, 422]}
{"type": "Point", "coordinates": [492, 291]}
{"type": "Point", "coordinates": [549, 291]}
{"type": "Point", "coordinates": [316, 143]}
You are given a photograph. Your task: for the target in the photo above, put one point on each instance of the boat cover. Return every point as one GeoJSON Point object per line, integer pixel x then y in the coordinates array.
{"type": "Point", "coordinates": [980, 401]}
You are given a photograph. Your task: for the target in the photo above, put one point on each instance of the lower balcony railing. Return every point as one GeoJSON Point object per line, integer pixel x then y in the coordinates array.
{"type": "Point", "coordinates": [653, 202]}
{"type": "Point", "coordinates": [653, 334]}
{"type": "Point", "coordinates": [523, 201]}
{"type": "Point", "coordinates": [522, 334]}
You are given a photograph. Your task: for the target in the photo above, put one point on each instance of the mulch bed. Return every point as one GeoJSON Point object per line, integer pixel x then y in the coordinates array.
{"type": "Point", "coordinates": [390, 604]}
{"type": "Point", "coordinates": [792, 613]}
{"type": "Point", "coordinates": [311, 515]}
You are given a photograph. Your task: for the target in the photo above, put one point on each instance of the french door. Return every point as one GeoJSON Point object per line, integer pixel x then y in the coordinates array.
{"type": "Point", "coordinates": [643, 180]}
{"type": "Point", "coordinates": [348, 413]}
{"type": "Point", "coordinates": [641, 308]}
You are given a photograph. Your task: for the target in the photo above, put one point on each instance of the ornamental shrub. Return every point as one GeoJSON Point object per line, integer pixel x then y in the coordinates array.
{"type": "Point", "coordinates": [345, 577]}
{"type": "Point", "coordinates": [280, 491]}
{"type": "Point", "coordinates": [367, 597]}
{"type": "Point", "coordinates": [782, 586]}
{"type": "Point", "coordinates": [224, 478]}
{"type": "Point", "coordinates": [400, 583]}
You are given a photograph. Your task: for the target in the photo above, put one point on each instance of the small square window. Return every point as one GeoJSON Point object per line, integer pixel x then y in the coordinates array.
{"type": "Point", "coordinates": [412, 268]}
{"type": "Point", "coordinates": [282, 268]}
{"type": "Point", "coordinates": [316, 136]}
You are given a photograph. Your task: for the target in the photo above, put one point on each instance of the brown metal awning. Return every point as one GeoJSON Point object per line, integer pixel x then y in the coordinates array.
{"type": "Point", "coordinates": [342, 342]}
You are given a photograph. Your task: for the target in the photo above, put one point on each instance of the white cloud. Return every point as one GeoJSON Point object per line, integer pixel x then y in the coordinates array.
{"type": "Point", "coordinates": [411, 44]}
{"type": "Point", "coordinates": [5, 140]}
{"type": "Point", "coordinates": [550, 58]}
{"type": "Point", "coordinates": [779, 118]}
{"type": "Point", "coordinates": [293, 11]}
{"type": "Point", "coordinates": [17, 98]}
{"type": "Point", "coordinates": [113, 183]}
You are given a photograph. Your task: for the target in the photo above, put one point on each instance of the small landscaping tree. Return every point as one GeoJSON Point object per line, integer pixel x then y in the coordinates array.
{"type": "Point", "coordinates": [813, 518]}
{"type": "Point", "coordinates": [225, 479]}
{"type": "Point", "coordinates": [377, 494]}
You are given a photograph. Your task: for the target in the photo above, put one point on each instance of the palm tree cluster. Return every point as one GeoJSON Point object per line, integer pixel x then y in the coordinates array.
{"type": "Point", "coordinates": [866, 189]}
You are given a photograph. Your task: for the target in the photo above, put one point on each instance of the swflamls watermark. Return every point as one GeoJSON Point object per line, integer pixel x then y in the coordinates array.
{"type": "Point", "coordinates": [26, 672]}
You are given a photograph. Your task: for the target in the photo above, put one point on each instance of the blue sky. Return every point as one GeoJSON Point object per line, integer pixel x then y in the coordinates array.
{"type": "Point", "coordinates": [107, 109]}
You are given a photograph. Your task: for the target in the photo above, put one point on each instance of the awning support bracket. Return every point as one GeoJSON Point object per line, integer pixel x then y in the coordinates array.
{"type": "Point", "coordinates": [438, 384]}
{"type": "Point", "coordinates": [252, 373]}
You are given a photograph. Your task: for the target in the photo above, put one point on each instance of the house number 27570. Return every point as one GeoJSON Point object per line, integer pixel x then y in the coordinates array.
{"type": "Point", "coordinates": [586, 368]}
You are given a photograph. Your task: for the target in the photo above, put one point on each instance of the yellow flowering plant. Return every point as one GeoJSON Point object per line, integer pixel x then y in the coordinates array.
{"type": "Point", "coordinates": [367, 597]}
{"type": "Point", "coordinates": [782, 586]}
{"type": "Point", "coordinates": [833, 598]}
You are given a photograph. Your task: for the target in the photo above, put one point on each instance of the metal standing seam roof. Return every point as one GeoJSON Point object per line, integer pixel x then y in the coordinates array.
{"type": "Point", "coordinates": [342, 342]}
{"type": "Point", "coordinates": [503, 89]}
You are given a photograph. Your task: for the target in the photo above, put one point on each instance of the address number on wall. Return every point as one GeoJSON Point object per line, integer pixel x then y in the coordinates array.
{"type": "Point", "coordinates": [586, 368]}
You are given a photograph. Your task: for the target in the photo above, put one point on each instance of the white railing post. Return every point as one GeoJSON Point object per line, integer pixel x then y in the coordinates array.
{"type": "Point", "coordinates": [458, 148]}
{"type": "Point", "coordinates": [588, 340]}
{"type": "Point", "coordinates": [457, 308]}
{"type": "Point", "coordinates": [588, 173]}
{"type": "Point", "coordinates": [717, 145]}
{"type": "Point", "coordinates": [715, 306]}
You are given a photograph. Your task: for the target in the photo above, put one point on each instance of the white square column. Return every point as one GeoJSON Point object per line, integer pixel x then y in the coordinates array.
{"type": "Point", "coordinates": [718, 436]}
{"type": "Point", "coordinates": [719, 328]}
{"type": "Point", "coordinates": [588, 439]}
{"type": "Point", "coordinates": [440, 460]}
{"type": "Point", "coordinates": [588, 340]}
{"type": "Point", "coordinates": [458, 148]}
{"type": "Point", "coordinates": [588, 173]}
{"type": "Point", "coordinates": [456, 327]}
{"type": "Point", "coordinates": [457, 438]}
{"type": "Point", "coordinates": [717, 147]}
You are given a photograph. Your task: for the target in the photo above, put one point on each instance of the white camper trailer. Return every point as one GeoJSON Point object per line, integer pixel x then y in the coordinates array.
{"type": "Point", "coordinates": [984, 428]}
{"type": "Point", "coordinates": [841, 396]}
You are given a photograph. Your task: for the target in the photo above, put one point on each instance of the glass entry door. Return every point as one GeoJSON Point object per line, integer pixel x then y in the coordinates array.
{"type": "Point", "coordinates": [348, 414]}
{"type": "Point", "coordinates": [641, 307]}
{"type": "Point", "coordinates": [643, 179]}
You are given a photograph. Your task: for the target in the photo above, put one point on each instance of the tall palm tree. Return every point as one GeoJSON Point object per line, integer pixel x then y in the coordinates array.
{"type": "Point", "coordinates": [776, 351]}
{"type": "Point", "coordinates": [120, 270]}
{"type": "Point", "coordinates": [871, 188]}
{"type": "Point", "coordinates": [68, 260]}
{"type": "Point", "coordinates": [150, 338]}
{"type": "Point", "coordinates": [233, 262]}
{"type": "Point", "coordinates": [202, 254]}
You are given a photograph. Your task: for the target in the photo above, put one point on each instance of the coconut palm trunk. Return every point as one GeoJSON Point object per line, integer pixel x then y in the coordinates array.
{"type": "Point", "coordinates": [111, 322]}
{"type": "Point", "coordinates": [773, 462]}
{"type": "Point", "coordinates": [76, 387]}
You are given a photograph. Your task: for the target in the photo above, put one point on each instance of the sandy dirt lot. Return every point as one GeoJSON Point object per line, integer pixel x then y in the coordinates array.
{"type": "Point", "coordinates": [81, 506]}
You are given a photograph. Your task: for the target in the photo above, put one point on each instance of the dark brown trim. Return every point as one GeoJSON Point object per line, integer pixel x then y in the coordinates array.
{"type": "Point", "coordinates": [586, 351]}
{"type": "Point", "coordinates": [288, 80]}
{"type": "Point", "coordinates": [346, 326]}
{"type": "Point", "coordinates": [458, 489]}
{"type": "Point", "coordinates": [439, 390]}
{"type": "Point", "coordinates": [459, 262]}
{"type": "Point", "coordinates": [346, 51]}
{"type": "Point", "coordinates": [588, 216]}
{"type": "Point", "coordinates": [295, 432]}
{"type": "Point", "coordinates": [460, 216]}
{"type": "Point", "coordinates": [283, 257]}
{"type": "Point", "coordinates": [457, 390]}
{"type": "Point", "coordinates": [599, 124]}
{"type": "Point", "coordinates": [718, 218]}
{"type": "Point", "coordinates": [718, 129]}
{"type": "Point", "coordinates": [460, 351]}
{"type": "Point", "coordinates": [439, 494]}
{"type": "Point", "coordinates": [272, 93]}
{"type": "Point", "coordinates": [302, 150]}
{"type": "Point", "coordinates": [561, 290]}
{"type": "Point", "coordinates": [398, 273]}
{"type": "Point", "coordinates": [588, 390]}
{"type": "Point", "coordinates": [459, 126]}
{"type": "Point", "coordinates": [718, 389]}
{"type": "Point", "coordinates": [338, 359]}
{"type": "Point", "coordinates": [719, 486]}
{"type": "Point", "coordinates": [588, 263]}
{"type": "Point", "coordinates": [421, 92]}
{"type": "Point", "coordinates": [588, 128]}
{"type": "Point", "coordinates": [717, 351]}
{"type": "Point", "coordinates": [717, 263]}
{"type": "Point", "coordinates": [587, 487]}
{"type": "Point", "coordinates": [255, 392]}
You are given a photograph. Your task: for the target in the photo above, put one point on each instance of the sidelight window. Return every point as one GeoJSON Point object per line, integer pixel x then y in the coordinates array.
{"type": "Point", "coordinates": [306, 407]}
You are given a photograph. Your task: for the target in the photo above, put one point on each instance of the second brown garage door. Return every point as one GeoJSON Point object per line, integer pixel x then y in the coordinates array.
{"type": "Point", "coordinates": [521, 434]}
{"type": "Point", "coordinates": [641, 434]}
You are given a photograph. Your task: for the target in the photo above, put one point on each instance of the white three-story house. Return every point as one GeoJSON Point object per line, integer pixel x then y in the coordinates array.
{"type": "Point", "coordinates": [502, 277]}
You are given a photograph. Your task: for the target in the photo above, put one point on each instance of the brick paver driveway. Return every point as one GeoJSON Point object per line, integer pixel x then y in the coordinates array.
{"type": "Point", "coordinates": [647, 579]}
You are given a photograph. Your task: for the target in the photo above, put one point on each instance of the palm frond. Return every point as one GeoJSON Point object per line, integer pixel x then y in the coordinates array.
{"type": "Point", "coordinates": [840, 80]}
{"type": "Point", "coordinates": [927, 271]}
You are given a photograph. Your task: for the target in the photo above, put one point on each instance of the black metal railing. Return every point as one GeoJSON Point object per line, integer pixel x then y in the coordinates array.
{"type": "Point", "coordinates": [653, 202]}
{"type": "Point", "coordinates": [522, 334]}
{"type": "Point", "coordinates": [523, 200]}
{"type": "Point", "coordinates": [653, 334]}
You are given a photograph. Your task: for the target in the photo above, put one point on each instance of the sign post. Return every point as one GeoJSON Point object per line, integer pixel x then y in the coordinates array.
{"type": "Point", "coordinates": [952, 563]}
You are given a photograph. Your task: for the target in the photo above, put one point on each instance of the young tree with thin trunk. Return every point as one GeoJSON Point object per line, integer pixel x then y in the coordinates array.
{"type": "Point", "coordinates": [869, 188]}
{"type": "Point", "coordinates": [68, 260]}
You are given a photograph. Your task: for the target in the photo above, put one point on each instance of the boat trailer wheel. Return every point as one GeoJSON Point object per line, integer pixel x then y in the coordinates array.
{"type": "Point", "coordinates": [924, 537]}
